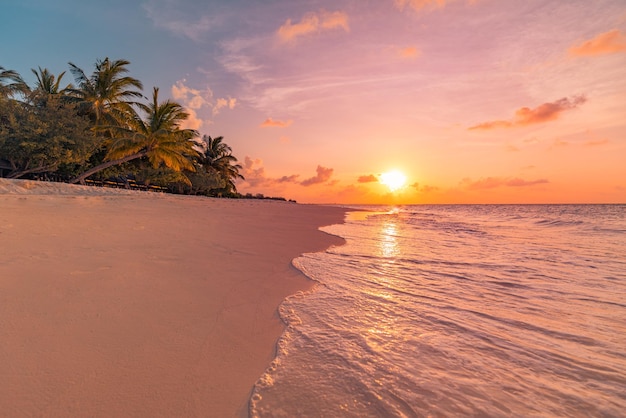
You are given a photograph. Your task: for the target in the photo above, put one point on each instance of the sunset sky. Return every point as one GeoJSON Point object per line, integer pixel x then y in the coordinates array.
{"type": "Point", "coordinates": [483, 101]}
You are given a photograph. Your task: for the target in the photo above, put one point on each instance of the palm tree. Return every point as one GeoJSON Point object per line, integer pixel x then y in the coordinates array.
{"type": "Point", "coordinates": [47, 82]}
{"type": "Point", "coordinates": [107, 92]}
{"type": "Point", "coordinates": [48, 85]}
{"type": "Point", "coordinates": [158, 138]}
{"type": "Point", "coordinates": [11, 83]}
{"type": "Point", "coordinates": [217, 155]}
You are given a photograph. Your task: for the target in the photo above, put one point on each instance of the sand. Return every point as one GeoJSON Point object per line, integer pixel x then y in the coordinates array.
{"type": "Point", "coordinates": [124, 303]}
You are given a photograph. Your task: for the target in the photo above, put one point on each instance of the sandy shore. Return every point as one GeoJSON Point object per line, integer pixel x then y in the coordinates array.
{"type": "Point", "coordinates": [120, 303]}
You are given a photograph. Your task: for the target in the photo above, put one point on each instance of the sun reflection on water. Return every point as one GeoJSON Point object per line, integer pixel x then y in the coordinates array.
{"type": "Point", "coordinates": [389, 243]}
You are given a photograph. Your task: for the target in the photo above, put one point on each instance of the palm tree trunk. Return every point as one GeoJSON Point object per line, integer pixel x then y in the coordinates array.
{"type": "Point", "coordinates": [40, 169]}
{"type": "Point", "coordinates": [81, 178]}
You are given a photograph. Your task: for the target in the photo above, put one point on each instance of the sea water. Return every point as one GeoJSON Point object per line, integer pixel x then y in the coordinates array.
{"type": "Point", "coordinates": [436, 311]}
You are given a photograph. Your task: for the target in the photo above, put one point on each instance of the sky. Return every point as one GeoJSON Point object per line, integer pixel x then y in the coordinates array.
{"type": "Point", "coordinates": [473, 101]}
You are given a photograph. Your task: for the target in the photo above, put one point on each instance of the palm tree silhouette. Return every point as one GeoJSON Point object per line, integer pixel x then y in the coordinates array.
{"type": "Point", "coordinates": [217, 155]}
{"type": "Point", "coordinates": [11, 83]}
{"type": "Point", "coordinates": [48, 83]}
{"type": "Point", "coordinates": [47, 86]}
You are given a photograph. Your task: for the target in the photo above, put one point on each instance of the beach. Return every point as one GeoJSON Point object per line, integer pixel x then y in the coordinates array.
{"type": "Point", "coordinates": [125, 303]}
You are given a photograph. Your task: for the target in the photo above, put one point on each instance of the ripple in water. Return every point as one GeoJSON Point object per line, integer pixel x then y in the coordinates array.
{"type": "Point", "coordinates": [458, 311]}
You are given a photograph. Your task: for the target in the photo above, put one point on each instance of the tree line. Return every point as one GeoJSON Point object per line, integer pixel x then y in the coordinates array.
{"type": "Point", "coordinates": [101, 128]}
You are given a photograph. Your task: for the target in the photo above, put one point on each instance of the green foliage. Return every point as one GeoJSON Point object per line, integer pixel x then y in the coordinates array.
{"type": "Point", "coordinates": [217, 156]}
{"type": "Point", "coordinates": [11, 84]}
{"type": "Point", "coordinates": [156, 137]}
{"type": "Point", "coordinates": [37, 139]}
{"type": "Point", "coordinates": [107, 92]}
{"type": "Point", "coordinates": [96, 128]}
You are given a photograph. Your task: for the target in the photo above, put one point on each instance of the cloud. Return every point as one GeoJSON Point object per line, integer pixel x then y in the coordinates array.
{"type": "Point", "coordinates": [493, 182]}
{"type": "Point", "coordinates": [543, 113]}
{"type": "Point", "coordinates": [192, 121]}
{"type": "Point", "coordinates": [313, 23]}
{"type": "Point", "coordinates": [164, 18]}
{"type": "Point", "coordinates": [425, 188]}
{"type": "Point", "coordinates": [255, 176]}
{"type": "Point", "coordinates": [409, 52]}
{"type": "Point", "coordinates": [492, 125]}
{"type": "Point", "coordinates": [323, 175]}
{"type": "Point", "coordinates": [254, 173]}
{"type": "Point", "coordinates": [596, 142]}
{"type": "Point", "coordinates": [271, 123]}
{"type": "Point", "coordinates": [195, 99]}
{"type": "Point", "coordinates": [428, 189]}
{"type": "Point", "coordinates": [610, 42]}
{"type": "Point", "coordinates": [221, 103]}
{"type": "Point", "coordinates": [192, 98]}
{"type": "Point", "coordinates": [517, 182]}
{"type": "Point", "coordinates": [370, 178]}
{"type": "Point", "coordinates": [419, 5]}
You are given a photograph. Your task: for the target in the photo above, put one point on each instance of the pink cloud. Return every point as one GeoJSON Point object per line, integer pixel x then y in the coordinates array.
{"type": "Point", "coordinates": [610, 42]}
{"type": "Point", "coordinates": [323, 175]}
{"type": "Point", "coordinates": [192, 121]}
{"type": "Point", "coordinates": [220, 103]}
{"type": "Point", "coordinates": [543, 113]}
{"type": "Point", "coordinates": [191, 98]}
{"type": "Point", "coordinates": [254, 173]}
{"type": "Point", "coordinates": [195, 99]}
{"type": "Point", "coordinates": [313, 23]}
{"type": "Point", "coordinates": [419, 5]}
{"type": "Point", "coordinates": [493, 182]}
{"type": "Point", "coordinates": [269, 123]}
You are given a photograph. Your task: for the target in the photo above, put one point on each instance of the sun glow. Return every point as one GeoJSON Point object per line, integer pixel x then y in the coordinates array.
{"type": "Point", "coordinates": [394, 180]}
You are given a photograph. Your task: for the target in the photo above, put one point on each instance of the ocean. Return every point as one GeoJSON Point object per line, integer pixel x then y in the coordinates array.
{"type": "Point", "coordinates": [460, 310]}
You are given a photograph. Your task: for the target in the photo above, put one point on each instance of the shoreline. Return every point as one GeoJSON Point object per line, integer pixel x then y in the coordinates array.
{"type": "Point", "coordinates": [119, 302]}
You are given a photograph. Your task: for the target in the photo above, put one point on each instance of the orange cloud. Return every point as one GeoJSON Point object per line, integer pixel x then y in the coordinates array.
{"type": "Point", "coordinates": [195, 99]}
{"type": "Point", "coordinates": [492, 125]}
{"type": "Point", "coordinates": [493, 182]}
{"type": "Point", "coordinates": [220, 103]}
{"type": "Point", "coordinates": [269, 123]}
{"type": "Point", "coordinates": [192, 98]}
{"type": "Point", "coordinates": [428, 189]}
{"type": "Point", "coordinates": [610, 42]}
{"type": "Point", "coordinates": [543, 113]}
{"type": "Point", "coordinates": [409, 52]}
{"type": "Point", "coordinates": [419, 5]}
{"type": "Point", "coordinates": [313, 23]}
{"type": "Point", "coordinates": [323, 175]}
{"type": "Point", "coordinates": [596, 143]}
{"type": "Point", "coordinates": [368, 179]}
{"type": "Point", "coordinates": [425, 188]}
{"type": "Point", "coordinates": [193, 121]}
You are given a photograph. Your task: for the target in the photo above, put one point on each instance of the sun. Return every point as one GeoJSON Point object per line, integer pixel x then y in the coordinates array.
{"type": "Point", "coordinates": [394, 180]}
